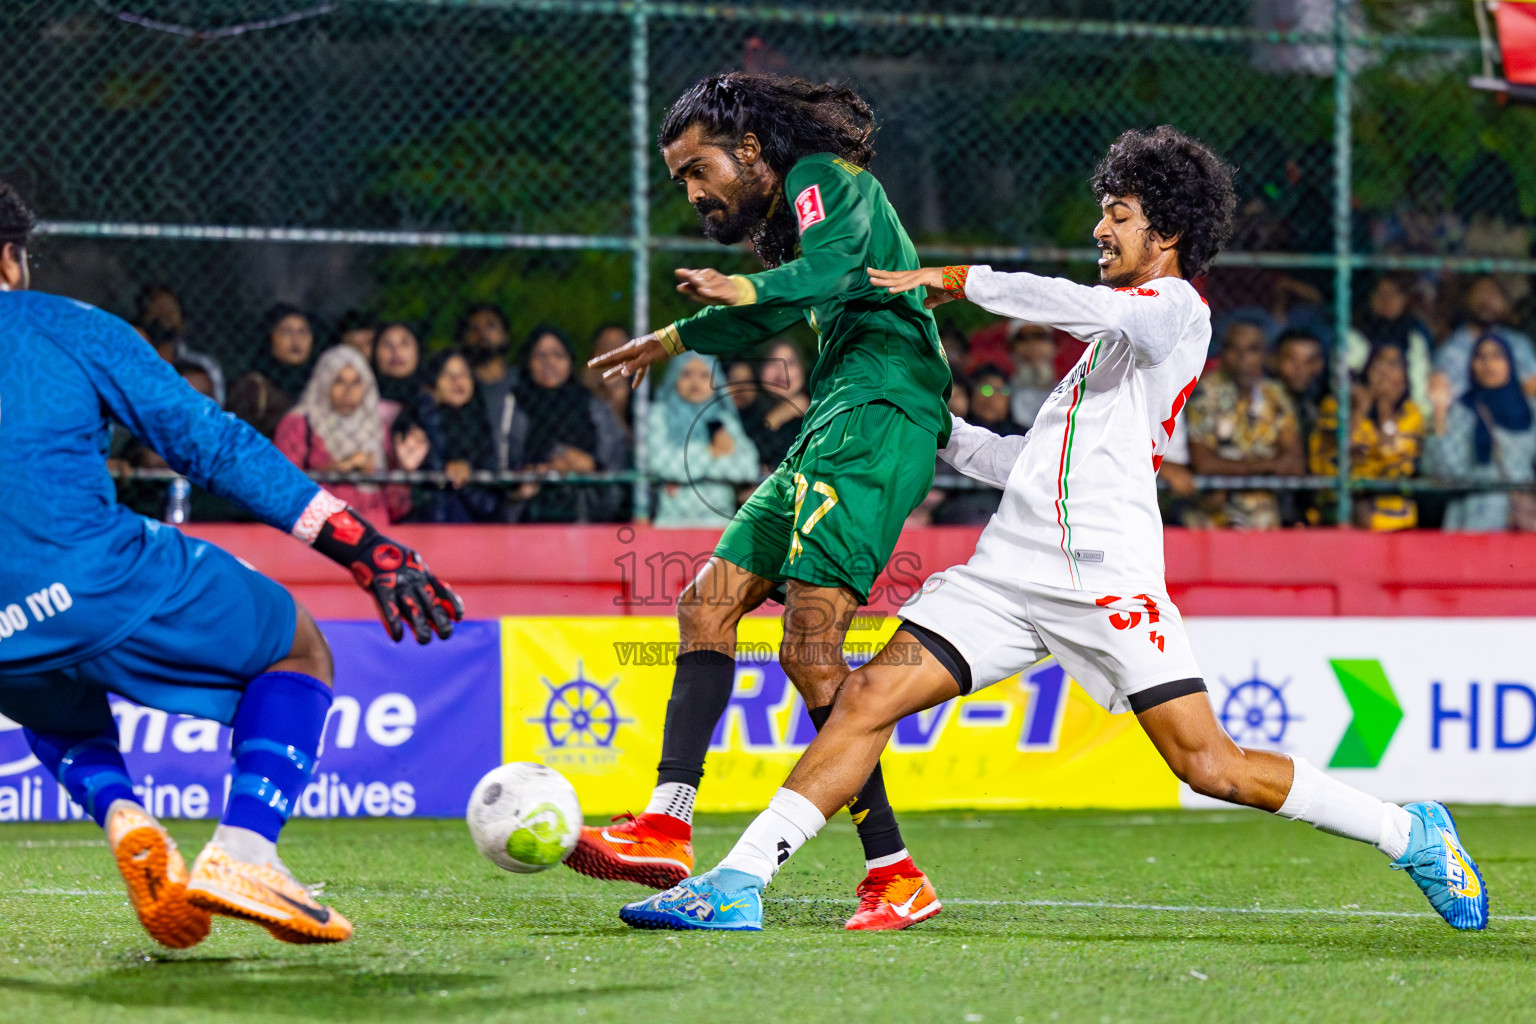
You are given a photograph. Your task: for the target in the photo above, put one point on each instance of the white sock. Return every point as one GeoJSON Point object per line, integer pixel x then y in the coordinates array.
{"type": "Point", "coordinates": [887, 860]}
{"type": "Point", "coordinates": [674, 799]}
{"type": "Point", "coordinates": [244, 845]}
{"type": "Point", "coordinates": [774, 836]}
{"type": "Point", "coordinates": [1327, 804]}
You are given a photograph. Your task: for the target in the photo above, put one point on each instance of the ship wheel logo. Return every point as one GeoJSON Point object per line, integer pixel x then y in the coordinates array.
{"type": "Point", "coordinates": [1255, 711]}
{"type": "Point", "coordinates": [580, 713]}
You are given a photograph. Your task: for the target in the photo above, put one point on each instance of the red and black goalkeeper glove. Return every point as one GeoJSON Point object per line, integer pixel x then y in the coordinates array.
{"type": "Point", "coordinates": [400, 582]}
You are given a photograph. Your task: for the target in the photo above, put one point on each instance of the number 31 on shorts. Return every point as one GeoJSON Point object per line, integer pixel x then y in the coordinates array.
{"type": "Point", "coordinates": [829, 498]}
{"type": "Point", "coordinates": [1122, 621]}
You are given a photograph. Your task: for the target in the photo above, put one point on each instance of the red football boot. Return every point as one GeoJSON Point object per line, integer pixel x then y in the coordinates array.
{"type": "Point", "coordinates": [894, 897]}
{"type": "Point", "coordinates": [653, 849]}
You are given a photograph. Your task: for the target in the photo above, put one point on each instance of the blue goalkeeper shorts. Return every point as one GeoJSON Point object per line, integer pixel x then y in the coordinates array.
{"type": "Point", "coordinates": [221, 626]}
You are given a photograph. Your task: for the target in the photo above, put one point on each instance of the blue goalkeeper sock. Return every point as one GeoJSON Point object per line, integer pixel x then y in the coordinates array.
{"type": "Point", "coordinates": [276, 734]}
{"type": "Point", "coordinates": [89, 766]}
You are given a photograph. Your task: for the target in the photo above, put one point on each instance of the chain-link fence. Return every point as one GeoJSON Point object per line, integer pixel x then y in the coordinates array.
{"type": "Point", "coordinates": [411, 158]}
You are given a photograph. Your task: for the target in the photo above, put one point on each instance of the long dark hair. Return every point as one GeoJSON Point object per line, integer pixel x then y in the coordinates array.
{"type": "Point", "coordinates": [792, 119]}
{"type": "Point", "coordinates": [1378, 351]}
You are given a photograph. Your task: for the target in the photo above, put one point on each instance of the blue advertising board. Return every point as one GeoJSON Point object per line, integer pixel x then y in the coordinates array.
{"type": "Point", "coordinates": [410, 732]}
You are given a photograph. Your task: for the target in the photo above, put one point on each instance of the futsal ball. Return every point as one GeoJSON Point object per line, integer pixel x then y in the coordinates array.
{"type": "Point", "coordinates": [524, 817]}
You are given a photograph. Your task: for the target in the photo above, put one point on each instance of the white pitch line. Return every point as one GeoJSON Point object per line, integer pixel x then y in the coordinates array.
{"type": "Point", "coordinates": [1154, 908]}
{"type": "Point", "coordinates": [1165, 908]}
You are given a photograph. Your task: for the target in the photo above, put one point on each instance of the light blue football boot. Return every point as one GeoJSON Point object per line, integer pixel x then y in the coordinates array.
{"type": "Point", "coordinates": [1440, 866]}
{"type": "Point", "coordinates": [698, 903]}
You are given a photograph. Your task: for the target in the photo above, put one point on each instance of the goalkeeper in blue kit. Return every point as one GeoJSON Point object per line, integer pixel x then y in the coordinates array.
{"type": "Point", "coordinates": [95, 600]}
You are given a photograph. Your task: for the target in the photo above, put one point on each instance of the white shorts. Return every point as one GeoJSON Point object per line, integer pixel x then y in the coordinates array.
{"type": "Point", "coordinates": [1128, 651]}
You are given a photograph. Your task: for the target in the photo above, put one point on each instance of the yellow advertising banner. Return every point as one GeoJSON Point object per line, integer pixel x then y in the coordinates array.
{"type": "Point", "coordinates": [588, 697]}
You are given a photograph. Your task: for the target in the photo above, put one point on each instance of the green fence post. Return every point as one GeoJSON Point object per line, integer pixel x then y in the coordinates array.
{"type": "Point", "coordinates": [1342, 257]}
{"type": "Point", "coordinates": [640, 228]}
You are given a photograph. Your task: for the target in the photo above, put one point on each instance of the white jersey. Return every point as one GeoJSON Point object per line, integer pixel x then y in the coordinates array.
{"type": "Point", "coordinates": [1079, 507]}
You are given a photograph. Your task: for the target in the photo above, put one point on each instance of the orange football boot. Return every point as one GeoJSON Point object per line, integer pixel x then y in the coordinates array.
{"type": "Point", "coordinates": [264, 894]}
{"type": "Point", "coordinates": [892, 898]}
{"type": "Point", "coordinates": [653, 850]}
{"type": "Point", "coordinates": [147, 857]}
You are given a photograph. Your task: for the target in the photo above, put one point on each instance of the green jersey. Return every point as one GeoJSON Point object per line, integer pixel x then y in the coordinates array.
{"type": "Point", "coordinates": [874, 346]}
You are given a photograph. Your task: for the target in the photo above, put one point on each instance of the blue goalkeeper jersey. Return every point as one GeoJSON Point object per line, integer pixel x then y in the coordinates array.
{"type": "Point", "coordinates": [78, 571]}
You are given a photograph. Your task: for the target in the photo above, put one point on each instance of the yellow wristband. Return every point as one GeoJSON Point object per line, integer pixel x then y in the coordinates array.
{"type": "Point", "coordinates": [671, 340]}
{"type": "Point", "coordinates": [746, 291]}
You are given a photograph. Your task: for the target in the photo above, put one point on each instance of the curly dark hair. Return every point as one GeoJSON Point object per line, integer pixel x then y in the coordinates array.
{"type": "Point", "coordinates": [792, 118]}
{"type": "Point", "coordinates": [16, 218]}
{"type": "Point", "coordinates": [1184, 188]}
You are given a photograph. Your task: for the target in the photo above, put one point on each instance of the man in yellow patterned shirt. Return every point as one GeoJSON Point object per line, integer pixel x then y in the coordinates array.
{"type": "Point", "coordinates": [1242, 423]}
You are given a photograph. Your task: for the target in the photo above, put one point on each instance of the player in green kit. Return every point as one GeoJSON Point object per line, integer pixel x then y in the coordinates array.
{"type": "Point", "coordinates": [784, 163]}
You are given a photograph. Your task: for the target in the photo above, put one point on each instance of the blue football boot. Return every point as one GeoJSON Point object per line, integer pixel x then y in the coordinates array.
{"type": "Point", "coordinates": [697, 903]}
{"type": "Point", "coordinates": [1440, 866]}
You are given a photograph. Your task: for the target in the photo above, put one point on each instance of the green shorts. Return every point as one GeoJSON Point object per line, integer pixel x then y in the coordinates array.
{"type": "Point", "coordinates": [831, 513]}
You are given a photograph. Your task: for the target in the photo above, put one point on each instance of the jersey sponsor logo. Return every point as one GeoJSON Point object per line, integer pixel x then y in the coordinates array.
{"type": "Point", "coordinates": [809, 209]}
{"type": "Point", "coordinates": [847, 165]}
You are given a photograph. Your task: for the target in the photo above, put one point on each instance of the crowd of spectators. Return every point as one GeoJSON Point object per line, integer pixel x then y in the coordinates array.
{"type": "Point", "coordinates": [1441, 383]}
{"type": "Point", "coordinates": [377, 399]}
{"type": "Point", "coordinates": [1452, 402]}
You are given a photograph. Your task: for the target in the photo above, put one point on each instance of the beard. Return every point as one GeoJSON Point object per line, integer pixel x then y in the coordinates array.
{"type": "Point", "coordinates": [750, 212]}
{"type": "Point", "coordinates": [1127, 272]}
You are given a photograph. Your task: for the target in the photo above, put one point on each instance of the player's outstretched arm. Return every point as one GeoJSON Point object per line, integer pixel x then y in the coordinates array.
{"type": "Point", "coordinates": [228, 457]}
{"type": "Point", "coordinates": [1143, 317]}
{"type": "Point", "coordinates": [930, 279]}
{"type": "Point", "coordinates": [981, 454]}
{"type": "Point", "coordinates": [716, 331]}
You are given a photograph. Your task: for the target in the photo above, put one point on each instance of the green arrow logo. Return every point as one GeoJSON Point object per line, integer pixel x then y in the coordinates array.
{"type": "Point", "coordinates": [1376, 709]}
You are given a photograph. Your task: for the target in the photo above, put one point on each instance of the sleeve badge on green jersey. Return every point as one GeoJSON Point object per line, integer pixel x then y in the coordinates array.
{"type": "Point", "coordinates": [808, 207]}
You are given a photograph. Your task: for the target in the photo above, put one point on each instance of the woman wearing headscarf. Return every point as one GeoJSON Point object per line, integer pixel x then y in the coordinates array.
{"type": "Point", "coordinates": [397, 363]}
{"type": "Point", "coordinates": [453, 415]}
{"type": "Point", "coordinates": [1486, 434]}
{"type": "Point", "coordinates": [340, 425]}
{"type": "Point", "coordinates": [559, 426]}
{"type": "Point", "coordinates": [264, 393]}
{"type": "Point", "coordinates": [698, 449]}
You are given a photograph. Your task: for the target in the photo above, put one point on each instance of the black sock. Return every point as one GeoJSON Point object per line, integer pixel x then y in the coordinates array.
{"type": "Point", "coordinates": [701, 689]}
{"type": "Point", "coordinates": [871, 809]}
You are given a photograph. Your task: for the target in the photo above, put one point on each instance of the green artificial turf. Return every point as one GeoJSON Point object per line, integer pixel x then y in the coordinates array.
{"type": "Point", "coordinates": [1080, 916]}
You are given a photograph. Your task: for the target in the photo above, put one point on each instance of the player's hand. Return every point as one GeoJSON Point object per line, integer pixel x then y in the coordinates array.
{"type": "Point", "coordinates": [708, 286]}
{"type": "Point", "coordinates": [930, 278]}
{"type": "Point", "coordinates": [630, 360]}
{"type": "Point", "coordinates": [401, 584]}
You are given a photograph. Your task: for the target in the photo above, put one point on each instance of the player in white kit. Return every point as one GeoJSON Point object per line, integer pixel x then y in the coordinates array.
{"type": "Point", "coordinates": [1071, 565]}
